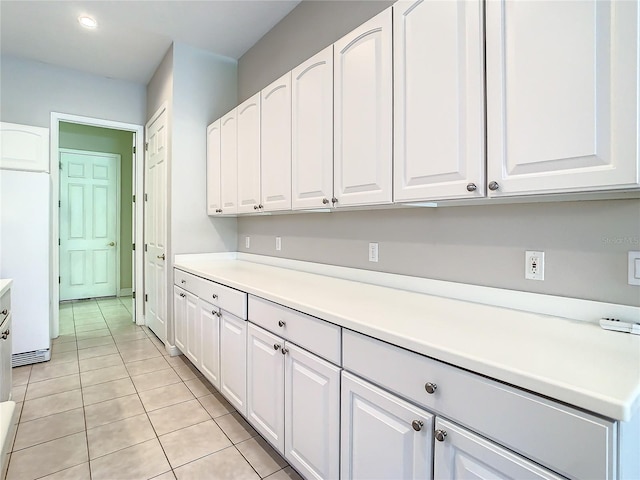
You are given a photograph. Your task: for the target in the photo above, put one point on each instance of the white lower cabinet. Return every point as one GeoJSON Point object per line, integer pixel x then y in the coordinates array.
{"type": "Point", "coordinates": [210, 341]}
{"type": "Point", "coordinates": [459, 453]}
{"type": "Point", "coordinates": [383, 436]}
{"type": "Point", "coordinates": [183, 306]}
{"type": "Point", "coordinates": [293, 400]}
{"type": "Point", "coordinates": [193, 347]}
{"type": "Point", "coordinates": [233, 360]}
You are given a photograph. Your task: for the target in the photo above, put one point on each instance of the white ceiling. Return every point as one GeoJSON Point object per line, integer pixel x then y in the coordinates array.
{"type": "Point", "coordinates": [132, 35]}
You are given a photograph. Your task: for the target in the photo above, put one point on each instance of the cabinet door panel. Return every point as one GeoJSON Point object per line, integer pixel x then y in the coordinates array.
{"type": "Point", "coordinates": [275, 145]}
{"type": "Point", "coordinates": [229, 163]}
{"type": "Point", "coordinates": [193, 330]}
{"type": "Point", "coordinates": [378, 440]}
{"type": "Point", "coordinates": [438, 100]}
{"type": "Point", "coordinates": [463, 454]}
{"type": "Point", "coordinates": [265, 385]}
{"type": "Point", "coordinates": [312, 131]}
{"type": "Point", "coordinates": [363, 113]}
{"type": "Point", "coordinates": [179, 318]}
{"type": "Point", "coordinates": [562, 108]}
{"type": "Point", "coordinates": [213, 169]}
{"type": "Point", "coordinates": [312, 414]}
{"type": "Point", "coordinates": [233, 360]}
{"type": "Point", "coordinates": [210, 322]}
{"type": "Point", "coordinates": [249, 155]}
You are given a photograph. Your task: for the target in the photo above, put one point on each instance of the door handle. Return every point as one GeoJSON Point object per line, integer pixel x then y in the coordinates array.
{"type": "Point", "coordinates": [111, 244]}
{"type": "Point", "coordinates": [161, 257]}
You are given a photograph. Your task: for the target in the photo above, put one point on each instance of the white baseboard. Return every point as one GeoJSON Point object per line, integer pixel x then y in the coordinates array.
{"type": "Point", "coordinates": [172, 350]}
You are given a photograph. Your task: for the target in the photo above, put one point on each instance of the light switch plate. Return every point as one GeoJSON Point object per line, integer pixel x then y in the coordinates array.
{"type": "Point", "coordinates": [634, 268]}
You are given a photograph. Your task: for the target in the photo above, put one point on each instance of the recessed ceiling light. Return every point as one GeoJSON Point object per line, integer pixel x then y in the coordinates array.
{"type": "Point", "coordinates": [87, 22]}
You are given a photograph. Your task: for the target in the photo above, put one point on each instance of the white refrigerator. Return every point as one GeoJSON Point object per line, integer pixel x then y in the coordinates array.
{"type": "Point", "coordinates": [25, 257]}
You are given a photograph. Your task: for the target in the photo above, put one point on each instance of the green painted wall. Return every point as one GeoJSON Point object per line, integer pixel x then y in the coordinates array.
{"type": "Point", "coordinates": [95, 139]}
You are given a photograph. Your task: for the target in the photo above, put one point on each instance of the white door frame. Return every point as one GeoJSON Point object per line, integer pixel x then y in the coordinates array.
{"type": "Point", "coordinates": [138, 188]}
{"type": "Point", "coordinates": [117, 157]}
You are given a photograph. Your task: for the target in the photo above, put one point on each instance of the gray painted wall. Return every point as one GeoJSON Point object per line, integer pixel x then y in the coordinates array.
{"type": "Point", "coordinates": [32, 90]}
{"type": "Point", "coordinates": [585, 243]}
{"type": "Point", "coordinates": [310, 27]}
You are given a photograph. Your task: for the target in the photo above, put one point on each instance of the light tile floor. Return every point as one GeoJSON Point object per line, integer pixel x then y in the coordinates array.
{"type": "Point", "coordinates": [111, 404]}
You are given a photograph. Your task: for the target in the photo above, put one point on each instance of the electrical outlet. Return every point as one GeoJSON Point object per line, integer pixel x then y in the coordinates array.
{"type": "Point", "coordinates": [278, 243]}
{"type": "Point", "coordinates": [247, 242]}
{"type": "Point", "coordinates": [634, 268]}
{"type": "Point", "coordinates": [533, 265]}
{"type": "Point", "coordinates": [373, 252]}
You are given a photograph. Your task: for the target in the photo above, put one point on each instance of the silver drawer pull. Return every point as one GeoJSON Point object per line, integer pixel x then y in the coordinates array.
{"type": "Point", "coordinates": [417, 425]}
{"type": "Point", "coordinates": [214, 296]}
{"type": "Point", "coordinates": [440, 435]}
{"type": "Point", "coordinates": [281, 323]}
{"type": "Point", "coordinates": [430, 387]}
{"type": "Point", "coordinates": [276, 346]}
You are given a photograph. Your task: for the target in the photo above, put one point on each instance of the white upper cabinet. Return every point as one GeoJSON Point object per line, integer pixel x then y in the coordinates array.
{"type": "Point", "coordinates": [363, 113]}
{"type": "Point", "coordinates": [312, 132]}
{"type": "Point", "coordinates": [276, 145]}
{"type": "Point", "coordinates": [562, 96]}
{"type": "Point", "coordinates": [438, 100]}
{"type": "Point", "coordinates": [249, 155]}
{"type": "Point", "coordinates": [214, 194]}
{"type": "Point", "coordinates": [23, 147]}
{"type": "Point", "coordinates": [229, 163]}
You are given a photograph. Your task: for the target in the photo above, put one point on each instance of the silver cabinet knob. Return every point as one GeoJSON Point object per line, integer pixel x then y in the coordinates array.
{"type": "Point", "coordinates": [214, 296]}
{"type": "Point", "coordinates": [5, 312]}
{"type": "Point", "coordinates": [182, 295]}
{"type": "Point", "coordinates": [217, 314]}
{"type": "Point", "coordinates": [276, 346]}
{"type": "Point", "coordinates": [260, 206]}
{"type": "Point", "coordinates": [417, 425]}
{"type": "Point", "coordinates": [440, 435]}
{"type": "Point", "coordinates": [281, 323]}
{"type": "Point", "coordinates": [255, 207]}
{"type": "Point", "coordinates": [183, 281]}
{"type": "Point", "coordinates": [471, 187]}
{"type": "Point", "coordinates": [325, 200]}
{"type": "Point", "coordinates": [218, 210]}
{"type": "Point", "coordinates": [493, 186]}
{"type": "Point", "coordinates": [334, 200]}
{"type": "Point", "coordinates": [430, 387]}
{"type": "Point", "coordinates": [284, 351]}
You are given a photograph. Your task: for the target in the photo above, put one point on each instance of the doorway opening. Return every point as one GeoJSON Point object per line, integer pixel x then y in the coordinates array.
{"type": "Point", "coordinates": [96, 173]}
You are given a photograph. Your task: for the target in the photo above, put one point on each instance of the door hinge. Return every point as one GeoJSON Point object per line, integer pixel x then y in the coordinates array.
{"type": "Point", "coordinates": [58, 279]}
{"type": "Point", "coordinates": [59, 242]}
{"type": "Point", "coordinates": [145, 247]}
{"type": "Point", "coordinates": [134, 149]}
{"type": "Point", "coordinates": [146, 197]}
{"type": "Point", "coordinates": [59, 203]}
{"type": "Point", "coordinates": [133, 295]}
{"type": "Point", "coordinates": [133, 246]}
{"type": "Point", "coordinates": [60, 165]}
{"type": "Point", "coordinates": [146, 297]}
{"type": "Point", "coordinates": [134, 199]}
{"type": "Point", "coordinates": [146, 146]}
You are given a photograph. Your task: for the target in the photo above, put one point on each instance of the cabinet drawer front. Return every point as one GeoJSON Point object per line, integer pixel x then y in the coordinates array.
{"type": "Point", "coordinates": [313, 334]}
{"type": "Point", "coordinates": [568, 441]}
{"type": "Point", "coordinates": [233, 301]}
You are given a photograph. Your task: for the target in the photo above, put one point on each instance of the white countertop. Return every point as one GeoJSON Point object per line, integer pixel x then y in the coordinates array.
{"type": "Point", "coordinates": [5, 284]}
{"type": "Point", "coordinates": [568, 360]}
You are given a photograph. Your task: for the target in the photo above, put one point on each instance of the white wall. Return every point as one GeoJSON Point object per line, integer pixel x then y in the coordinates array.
{"type": "Point", "coordinates": [204, 89]}
{"type": "Point", "coordinates": [30, 91]}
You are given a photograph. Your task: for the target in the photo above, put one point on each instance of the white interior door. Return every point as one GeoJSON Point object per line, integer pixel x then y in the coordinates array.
{"type": "Point", "coordinates": [156, 225]}
{"type": "Point", "coordinates": [89, 230]}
